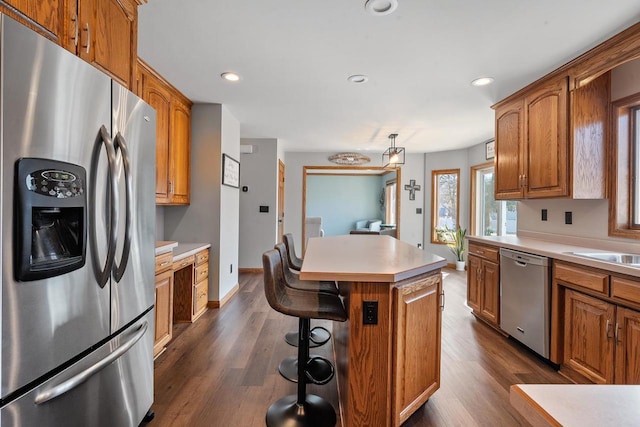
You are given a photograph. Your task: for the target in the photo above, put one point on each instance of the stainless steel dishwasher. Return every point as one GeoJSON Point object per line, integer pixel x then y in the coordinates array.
{"type": "Point", "coordinates": [524, 299]}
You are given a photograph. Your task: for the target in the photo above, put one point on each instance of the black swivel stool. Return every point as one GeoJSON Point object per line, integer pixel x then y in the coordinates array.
{"type": "Point", "coordinates": [319, 335]}
{"type": "Point", "coordinates": [294, 261]}
{"type": "Point", "coordinates": [302, 409]}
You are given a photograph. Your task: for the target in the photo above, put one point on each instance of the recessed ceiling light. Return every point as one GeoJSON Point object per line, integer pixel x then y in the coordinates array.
{"type": "Point", "coordinates": [230, 76]}
{"type": "Point", "coordinates": [482, 81]}
{"type": "Point", "coordinates": [380, 7]}
{"type": "Point", "coordinates": [358, 78]}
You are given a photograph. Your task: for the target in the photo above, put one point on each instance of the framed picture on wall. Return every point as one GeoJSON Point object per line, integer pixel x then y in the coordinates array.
{"type": "Point", "coordinates": [490, 149]}
{"type": "Point", "coordinates": [230, 171]}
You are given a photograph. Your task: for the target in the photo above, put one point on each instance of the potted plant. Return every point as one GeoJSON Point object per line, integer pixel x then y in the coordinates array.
{"type": "Point", "coordinates": [455, 242]}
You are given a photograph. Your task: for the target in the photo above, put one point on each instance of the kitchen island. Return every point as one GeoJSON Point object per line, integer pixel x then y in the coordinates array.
{"type": "Point", "coordinates": [388, 351]}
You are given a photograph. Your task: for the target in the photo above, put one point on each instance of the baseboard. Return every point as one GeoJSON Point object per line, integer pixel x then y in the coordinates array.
{"type": "Point", "coordinates": [250, 270]}
{"type": "Point", "coordinates": [223, 301]}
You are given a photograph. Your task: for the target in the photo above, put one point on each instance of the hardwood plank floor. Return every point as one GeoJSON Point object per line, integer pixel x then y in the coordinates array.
{"type": "Point", "coordinates": [222, 370]}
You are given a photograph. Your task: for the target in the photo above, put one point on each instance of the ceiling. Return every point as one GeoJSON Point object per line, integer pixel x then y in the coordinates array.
{"type": "Point", "coordinates": [294, 57]}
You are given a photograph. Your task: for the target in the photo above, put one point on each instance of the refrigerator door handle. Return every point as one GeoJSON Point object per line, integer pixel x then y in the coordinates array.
{"type": "Point", "coordinates": [119, 268]}
{"type": "Point", "coordinates": [83, 376]}
{"type": "Point", "coordinates": [102, 274]}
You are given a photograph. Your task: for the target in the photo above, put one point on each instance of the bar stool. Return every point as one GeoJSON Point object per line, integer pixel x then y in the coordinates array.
{"type": "Point", "coordinates": [318, 336]}
{"type": "Point", "coordinates": [294, 261]}
{"type": "Point", "coordinates": [301, 409]}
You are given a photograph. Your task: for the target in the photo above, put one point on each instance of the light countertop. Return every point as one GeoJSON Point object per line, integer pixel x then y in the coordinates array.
{"type": "Point", "coordinates": [183, 250]}
{"type": "Point", "coordinates": [562, 251]}
{"type": "Point", "coordinates": [580, 405]}
{"type": "Point", "coordinates": [165, 246]}
{"type": "Point", "coordinates": [365, 258]}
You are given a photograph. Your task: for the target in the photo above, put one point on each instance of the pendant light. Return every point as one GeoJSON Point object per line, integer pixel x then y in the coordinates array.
{"type": "Point", "coordinates": [393, 157]}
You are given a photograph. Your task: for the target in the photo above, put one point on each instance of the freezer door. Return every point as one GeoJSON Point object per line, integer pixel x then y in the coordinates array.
{"type": "Point", "coordinates": [52, 107]}
{"type": "Point", "coordinates": [96, 391]}
{"type": "Point", "coordinates": [132, 279]}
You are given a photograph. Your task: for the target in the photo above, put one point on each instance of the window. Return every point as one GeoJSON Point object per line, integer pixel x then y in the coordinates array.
{"type": "Point", "coordinates": [635, 169]}
{"type": "Point", "coordinates": [490, 217]}
{"type": "Point", "coordinates": [445, 198]}
{"type": "Point", "coordinates": [390, 202]}
{"type": "Point", "coordinates": [624, 205]}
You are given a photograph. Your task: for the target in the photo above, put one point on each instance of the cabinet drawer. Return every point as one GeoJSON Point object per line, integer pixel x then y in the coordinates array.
{"type": "Point", "coordinates": [200, 296]}
{"type": "Point", "coordinates": [625, 290]}
{"type": "Point", "coordinates": [201, 273]}
{"type": "Point", "coordinates": [587, 279]}
{"type": "Point", "coordinates": [202, 257]}
{"type": "Point", "coordinates": [163, 262]}
{"type": "Point", "coordinates": [177, 265]}
{"type": "Point", "coordinates": [487, 252]}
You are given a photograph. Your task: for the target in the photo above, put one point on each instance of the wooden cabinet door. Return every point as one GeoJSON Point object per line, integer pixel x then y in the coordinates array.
{"type": "Point", "coordinates": [47, 17]}
{"type": "Point", "coordinates": [156, 95]}
{"type": "Point", "coordinates": [164, 310]}
{"type": "Point", "coordinates": [627, 346]}
{"type": "Point", "coordinates": [474, 272]}
{"type": "Point", "coordinates": [510, 147]}
{"type": "Point", "coordinates": [546, 163]}
{"type": "Point", "coordinates": [416, 359]}
{"type": "Point", "coordinates": [108, 37]}
{"type": "Point", "coordinates": [490, 289]}
{"type": "Point", "coordinates": [180, 152]}
{"type": "Point", "coordinates": [588, 337]}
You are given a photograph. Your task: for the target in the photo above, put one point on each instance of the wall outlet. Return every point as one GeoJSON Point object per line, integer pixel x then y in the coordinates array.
{"type": "Point", "coordinates": [568, 217]}
{"type": "Point", "coordinates": [369, 312]}
{"type": "Point", "coordinates": [543, 214]}
{"type": "Point", "coordinates": [419, 210]}
{"type": "Point", "coordinates": [419, 245]}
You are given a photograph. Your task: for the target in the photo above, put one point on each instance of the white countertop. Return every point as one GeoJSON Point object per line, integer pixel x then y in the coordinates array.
{"type": "Point", "coordinates": [165, 246]}
{"type": "Point", "coordinates": [183, 250]}
{"type": "Point", "coordinates": [363, 257]}
{"type": "Point", "coordinates": [580, 405]}
{"type": "Point", "coordinates": [560, 251]}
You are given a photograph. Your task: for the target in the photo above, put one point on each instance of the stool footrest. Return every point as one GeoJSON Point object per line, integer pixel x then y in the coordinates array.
{"type": "Point", "coordinates": [318, 336]}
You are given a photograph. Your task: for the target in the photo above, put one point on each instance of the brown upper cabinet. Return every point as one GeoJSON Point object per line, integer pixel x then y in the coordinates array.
{"type": "Point", "coordinates": [552, 137]}
{"type": "Point", "coordinates": [173, 136]}
{"type": "Point", "coordinates": [47, 17]}
{"type": "Point", "coordinates": [102, 32]}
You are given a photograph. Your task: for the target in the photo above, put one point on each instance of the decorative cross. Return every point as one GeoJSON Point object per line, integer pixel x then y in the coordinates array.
{"type": "Point", "coordinates": [412, 187]}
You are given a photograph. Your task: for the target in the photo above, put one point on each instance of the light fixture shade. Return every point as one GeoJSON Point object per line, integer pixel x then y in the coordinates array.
{"type": "Point", "coordinates": [393, 156]}
{"type": "Point", "coordinates": [349, 159]}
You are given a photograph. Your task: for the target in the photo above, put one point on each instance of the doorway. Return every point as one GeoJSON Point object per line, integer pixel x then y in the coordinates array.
{"type": "Point", "coordinates": [380, 184]}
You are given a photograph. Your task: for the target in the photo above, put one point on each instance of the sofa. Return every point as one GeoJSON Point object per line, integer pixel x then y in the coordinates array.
{"type": "Point", "coordinates": [368, 225]}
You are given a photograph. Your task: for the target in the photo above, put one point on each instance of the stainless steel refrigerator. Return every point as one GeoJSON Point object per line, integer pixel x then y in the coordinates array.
{"type": "Point", "coordinates": [77, 232]}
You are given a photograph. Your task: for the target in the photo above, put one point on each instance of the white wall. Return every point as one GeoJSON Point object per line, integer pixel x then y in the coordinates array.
{"type": "Point", "coordinates": [212, 216]}
{"type": "Point", "coordinates": [410, 222]}
{"type": "Point", "coordinates": [258, 171]}
{"type": "Point", "coordinates": [456, 159]}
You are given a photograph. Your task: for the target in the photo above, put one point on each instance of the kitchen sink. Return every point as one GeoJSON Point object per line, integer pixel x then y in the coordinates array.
{"type": "Point", "coordinates": [615, 257]}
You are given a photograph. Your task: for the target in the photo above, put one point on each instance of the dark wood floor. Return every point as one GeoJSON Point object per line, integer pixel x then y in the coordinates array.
{"type": "Point", "coordinates": [222, 370]}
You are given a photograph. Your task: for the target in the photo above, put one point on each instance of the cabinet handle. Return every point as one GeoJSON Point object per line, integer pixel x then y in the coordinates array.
{"type": "Point", "coordinates": [170, 187]}
{"type": "Point", "coordinates": [203, 273]}
{"type": "Point", "coordinates": [524, 181]}
{"type": "Point", "coordinates": [617, 335]}
{"type": "Point", "coordinates": [75, 33]}
{"type": "Point", "coordinates": [164, 263]}
{"type": "Point", "coordinates": [87, 29]}
{"type": "Point", "coordinates": [442, 304]}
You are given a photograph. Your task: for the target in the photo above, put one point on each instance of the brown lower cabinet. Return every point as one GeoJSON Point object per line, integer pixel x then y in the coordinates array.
{"type": "Point", "coordinates": [598, 339]}
{"type": "Point", "coordinates": [164, 302]}
{"type": "Point", "coordinates": [483, 282]}
{"type": "Point", "coordinates": [191, 287]}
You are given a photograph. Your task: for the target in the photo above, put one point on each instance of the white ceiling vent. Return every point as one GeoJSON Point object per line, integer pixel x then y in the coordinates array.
{"type": "Point", "coordinates": [246, 149]}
